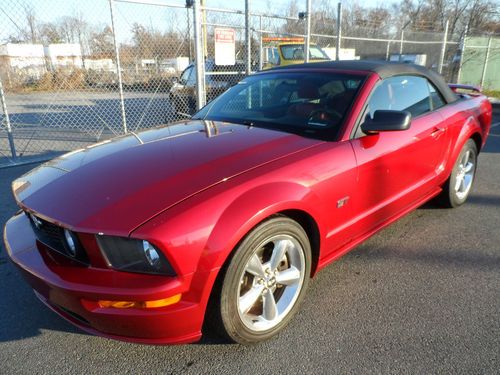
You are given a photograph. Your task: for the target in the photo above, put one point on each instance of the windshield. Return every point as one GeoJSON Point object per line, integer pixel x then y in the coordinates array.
{"type": "Point", "coordinates": [302, 102]}
{"type": "Point", "coordinates": [296, 52]}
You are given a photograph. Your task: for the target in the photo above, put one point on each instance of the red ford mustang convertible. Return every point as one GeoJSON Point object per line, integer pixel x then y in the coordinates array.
{"type": "Point", "coordinates": [223, 219]}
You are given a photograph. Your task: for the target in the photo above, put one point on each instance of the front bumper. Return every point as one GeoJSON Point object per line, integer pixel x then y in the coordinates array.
{"type": "Point", "coordinates": [71, 291]}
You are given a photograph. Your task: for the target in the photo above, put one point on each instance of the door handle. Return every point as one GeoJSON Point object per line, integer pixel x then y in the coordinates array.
{"type": "Point", "coordinates": [437, 131]}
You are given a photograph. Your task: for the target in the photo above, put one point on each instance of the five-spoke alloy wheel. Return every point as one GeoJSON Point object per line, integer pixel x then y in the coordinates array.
{"type": "Point", "coordinates": [271, 282]}
{"type": "Point", "coordinates": [265, 281]}
{"type": "Point", "coordinates": [459, 184]}
{"type": "Point", "coordinates": [465, 174]}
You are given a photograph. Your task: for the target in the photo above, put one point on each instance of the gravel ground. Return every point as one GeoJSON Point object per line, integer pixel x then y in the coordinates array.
{"type": "Point", "coordinates": [420, 297]}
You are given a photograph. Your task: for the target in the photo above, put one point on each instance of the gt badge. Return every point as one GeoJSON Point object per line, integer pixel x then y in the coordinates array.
{"type": "Point", "coordinates": [342, 202]}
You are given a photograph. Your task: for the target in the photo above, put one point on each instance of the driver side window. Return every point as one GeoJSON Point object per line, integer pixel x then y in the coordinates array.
{"type": "Point", "coordinates": [400, 93]}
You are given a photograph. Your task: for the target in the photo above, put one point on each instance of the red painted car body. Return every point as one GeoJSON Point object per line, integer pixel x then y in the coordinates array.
{"type": "Point", "coordinates": [195, 189]}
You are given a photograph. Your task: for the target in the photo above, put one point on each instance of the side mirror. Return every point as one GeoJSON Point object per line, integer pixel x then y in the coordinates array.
{"type": "Point", "coordinates": [387, 120]}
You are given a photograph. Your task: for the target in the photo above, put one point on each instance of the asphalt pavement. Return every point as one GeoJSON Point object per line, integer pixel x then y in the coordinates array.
{"type": "Point", "coordinates": [420, 297]}
{"type": "Point", "coordinates": [45, 124]}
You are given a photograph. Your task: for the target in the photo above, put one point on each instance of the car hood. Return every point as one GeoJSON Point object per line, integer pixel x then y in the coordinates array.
{"type": "Point", "coordinates": [116, 185]}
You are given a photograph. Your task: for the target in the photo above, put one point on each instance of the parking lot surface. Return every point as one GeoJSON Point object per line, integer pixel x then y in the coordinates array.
{"type": "Point", "coordinates": [422, 297]}
{"type": "Point", "coordinates": [47, 123]}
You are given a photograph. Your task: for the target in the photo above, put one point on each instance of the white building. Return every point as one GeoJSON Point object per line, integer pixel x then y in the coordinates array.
{"type": "Point", "coordinates": [101, 65]}
{"type": "Point", "coordinates": [177, 63]}
{"type": "Point", "coordinates": [62, 55]}
{"type": "Point", "coordinates": [28, 59]}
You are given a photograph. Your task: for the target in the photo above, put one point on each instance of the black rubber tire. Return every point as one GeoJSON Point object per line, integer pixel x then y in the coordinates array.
{"type": "Point", "coordinates": [448, 197]}
{"type": "Point", "coordinates": [224, 317]}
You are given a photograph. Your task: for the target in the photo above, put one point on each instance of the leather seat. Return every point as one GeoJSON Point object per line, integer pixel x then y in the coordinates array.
{"type": "Point", "coordinates": [308, 92]}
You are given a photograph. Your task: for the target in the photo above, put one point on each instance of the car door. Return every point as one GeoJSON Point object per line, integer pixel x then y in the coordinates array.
{"type": "Point", "coordinates": [397, 169]}
{"type": "Point", "coordinates": [183, 92]}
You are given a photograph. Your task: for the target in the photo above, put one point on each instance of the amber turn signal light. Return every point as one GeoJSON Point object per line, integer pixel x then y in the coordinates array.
{"type": "Point", "coordinates": [141, 304]}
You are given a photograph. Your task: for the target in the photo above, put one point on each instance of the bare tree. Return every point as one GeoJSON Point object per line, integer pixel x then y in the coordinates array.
{"type": "Point", "coordinates": [49, 33]}
{"type": "Point", "coordinates": [31, 23]}
{"type": "Point", "coordinates": [101, 43]}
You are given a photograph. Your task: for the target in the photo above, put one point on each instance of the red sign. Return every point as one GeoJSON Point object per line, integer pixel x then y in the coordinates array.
{"type": "Point", "coordinates": [224, 35]}
{"type": "Point", "coordinates": [225, 46]}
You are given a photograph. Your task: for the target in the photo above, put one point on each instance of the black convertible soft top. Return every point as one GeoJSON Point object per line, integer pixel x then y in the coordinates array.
{"type": "Point", "coordinates": [384, 69]}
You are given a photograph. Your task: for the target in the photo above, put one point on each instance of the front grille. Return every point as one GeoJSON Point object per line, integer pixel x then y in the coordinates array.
{"type": "Point", "coordinates": [52, 236]}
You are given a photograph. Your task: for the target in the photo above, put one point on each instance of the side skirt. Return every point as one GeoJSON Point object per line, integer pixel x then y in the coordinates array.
{"type": "Point", "coordinates": [355, 242]}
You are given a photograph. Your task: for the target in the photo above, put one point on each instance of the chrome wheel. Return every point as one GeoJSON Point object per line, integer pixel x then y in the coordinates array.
{"type": "Point", "coordinates": [271, 282]}
{"type": "Point", "coordinates": [465, 175]}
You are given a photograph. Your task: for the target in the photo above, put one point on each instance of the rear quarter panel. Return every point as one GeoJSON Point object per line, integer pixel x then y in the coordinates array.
{"type": "Point", "coordinates": [466, 118]}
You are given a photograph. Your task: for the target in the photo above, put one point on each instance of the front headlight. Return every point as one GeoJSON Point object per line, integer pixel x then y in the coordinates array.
{"type": "Point", "coordinates": [134, 255]}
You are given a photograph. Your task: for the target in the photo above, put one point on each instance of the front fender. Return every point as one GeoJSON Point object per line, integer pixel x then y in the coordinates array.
{"type": "Point", "coordinates": [198, 235]}
{"type": "Point", "coordinates": [251, 208]}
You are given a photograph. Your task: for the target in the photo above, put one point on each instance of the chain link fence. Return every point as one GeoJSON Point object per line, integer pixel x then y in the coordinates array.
{"type": "Point", "coordinates": [83, 72]}
{"type": "Point", "coordinates": [480, 61]}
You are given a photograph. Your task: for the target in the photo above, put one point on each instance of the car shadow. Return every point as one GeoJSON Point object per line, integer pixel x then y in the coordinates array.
{"type": "Point", "coordinates": [476, 199]}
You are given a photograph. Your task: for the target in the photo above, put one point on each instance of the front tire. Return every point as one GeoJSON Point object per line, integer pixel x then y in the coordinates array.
{"type": "Point", "coordinates": [459, 184]}
{"type": "Point", "coordinates": [265, 281]}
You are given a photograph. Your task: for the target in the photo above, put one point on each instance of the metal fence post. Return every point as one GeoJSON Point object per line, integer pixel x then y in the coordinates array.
{"type": "Point", "coordinates": [443, 47]}
{"type": "Point", "coordinates": [248, 40]}
{"type": "Point", "coordinates": [203, 24]}
{"type": "Point", "coordinates": [7, 123]}
{"type": "Point", "coordinates": [308, 31]}
{"type": "Point", "coordinates": [462, 54]}
{"type": "Point", "coordinates": [387, 51]}
{"type": "Point", "coordinates": [339, 31]}
{"type": "Point", "coordinates": [199, 56]}
{"type": "Point", "coordinates": [401, 41]}
{"type": "Point", "coordinates": [118, 67]}
{"type": "Point", "coordinates": [261, 52]}
{"type": "Point", "coordinates": [188, 20]}
{"type": "Point", "coordinates": [485, 66]}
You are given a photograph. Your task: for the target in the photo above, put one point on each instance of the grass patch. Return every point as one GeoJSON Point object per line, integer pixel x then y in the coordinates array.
{"type": "Point", "coordinates": [492, 93]}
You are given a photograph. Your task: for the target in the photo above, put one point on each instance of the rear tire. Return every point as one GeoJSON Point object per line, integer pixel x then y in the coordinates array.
{"type": "Point", "coordinates": [264, 283]}
{"type": "Point", "coordinates": [459, 184]}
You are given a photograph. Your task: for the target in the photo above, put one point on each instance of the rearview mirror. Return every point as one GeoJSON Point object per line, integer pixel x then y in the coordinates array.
{"type": "Point", "coordinates": [386, 120]}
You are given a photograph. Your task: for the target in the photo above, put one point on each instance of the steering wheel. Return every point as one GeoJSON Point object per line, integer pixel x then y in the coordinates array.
{"type": "Point", "coordinates": [324, 115]}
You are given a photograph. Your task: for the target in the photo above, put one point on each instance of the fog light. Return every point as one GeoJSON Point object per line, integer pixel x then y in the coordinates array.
{"type": "Point", "coordinates": [151, 254]}
{"type": "Point", "coordinates": [70, 241]}
{"type": "Point", "coordinates": [141, 304]}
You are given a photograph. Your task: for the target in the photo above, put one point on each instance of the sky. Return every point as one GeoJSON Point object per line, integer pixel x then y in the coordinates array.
{"type": "Point", "coordinates": [126, 14]}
